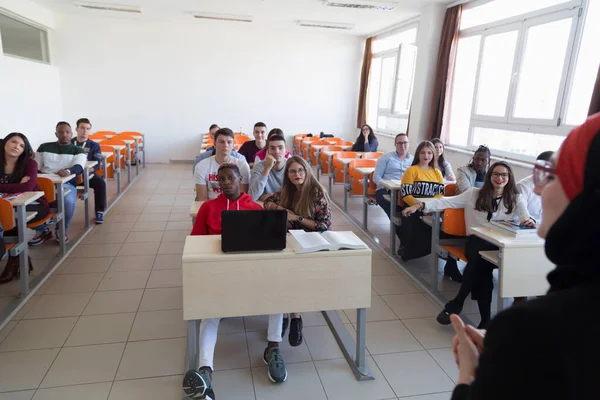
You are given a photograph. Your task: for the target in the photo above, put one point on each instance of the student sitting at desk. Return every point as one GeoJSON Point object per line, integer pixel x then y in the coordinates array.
{"type": "Point", "coordinates": [366, 140]}
{"type": "Point", "coordinates": [267, 175]}
{"type": "Point", "coordinates": [207, 185]}
{"type": "Point", "coordinates": [473, 174]}
{"type": "Point", "coordinates": [391, 166]}
{"type": "Point", "coordinates": [18, 173]}
{"type": "Point", "coordinates": [198, 384]}
{"type": "Point", "coordinates": [261, 155]}
{"type": "Point", "coordinates": [209, 152]}
{"type": "Point", "coordinates": [440, 163]}
{"type": "Point", "coordinates": [498, 199]}
{"type": "Point", "coordinates": [528, 190]}
{"type": "Point", "coordinates": [422, 179]}
{"type": "Point", "coordinates": [307, 204]}
{"type": "Point", "coordinates": [92, 149]}
{"type": "Point", "coordinates": [251, 147]}
{"type": "Point", "coordinates": [63, 159]}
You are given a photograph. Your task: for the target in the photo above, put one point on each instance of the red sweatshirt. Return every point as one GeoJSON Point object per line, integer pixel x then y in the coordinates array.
{"type": "Point", "coordinates": [208, 220]}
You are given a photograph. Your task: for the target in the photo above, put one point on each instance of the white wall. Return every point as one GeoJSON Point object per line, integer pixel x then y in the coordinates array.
{"type": "Point", "coordinates": [30, 98]}
{"type": "Point", "coordinates": [172, 80]}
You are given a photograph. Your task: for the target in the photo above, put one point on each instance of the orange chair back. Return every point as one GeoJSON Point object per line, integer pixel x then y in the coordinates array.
{"type": "Point", "coordinates": [237, 146]}
{"type": "Point", "coordinates": [372, 155]}
{"type": "Point", "coordinates": [305, 146]}
{"type": "Point", "coordinates": [313, 151]}
{"type": "Point", "coordinates": [47, 187]}
{"type": "Point", "coordinates": [357, 178]}
{"type": "Point", "coordinates": [240, 139]}
{"type": "Point", "coordinates": [454, 222]}
{"type": "Point", "coordinates": [450, 190]}
{"type": "Point", "coordinates": [105, 133]}
{"type": "Point", "coordinates": [339, 167]}
{"type": "Point", "coordinates": [342, 143]}
{"type": "Point", "coordinates": [335, 140]}
{"type": "Point", "coordinates": [7, 215]}
{"type": "Point", "coordinates": [298, 142]}
{"type": "Point", "coordinates": [324, 159]}
{"type": "Point", "coordinates": [130, 133]}
{"type": "Point", "coordinates": [97, 136]}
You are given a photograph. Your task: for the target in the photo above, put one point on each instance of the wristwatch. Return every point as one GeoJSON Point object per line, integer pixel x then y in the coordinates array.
{"type": "Point", "coordinates": [300, 219]}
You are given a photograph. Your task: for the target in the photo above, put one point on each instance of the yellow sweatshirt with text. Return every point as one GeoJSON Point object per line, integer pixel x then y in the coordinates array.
{"type": "Point", "coordinates": [419, 183]}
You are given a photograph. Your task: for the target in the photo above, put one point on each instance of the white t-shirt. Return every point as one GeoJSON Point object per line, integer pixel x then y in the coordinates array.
{"type": "Point", "coordinates": [206, 174]}
{"type": "Point", "coordinates": [534, 202]}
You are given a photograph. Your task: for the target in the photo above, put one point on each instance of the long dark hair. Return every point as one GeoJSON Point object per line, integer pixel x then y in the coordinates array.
{"type": "Point", "coordinates": [485, 200]}
{"type": "Point", "coordinates": [360, 140]}
{"type": "Point", "coordinates": [441, 159]}
{"type": "Point", "coordinates": [22, 161]}
{"type": "Point", "coordinates": [423, 144]}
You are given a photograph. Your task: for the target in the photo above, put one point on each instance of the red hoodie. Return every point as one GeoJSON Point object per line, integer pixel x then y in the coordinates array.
{"type": "Point", "coordinates": [208, 221]}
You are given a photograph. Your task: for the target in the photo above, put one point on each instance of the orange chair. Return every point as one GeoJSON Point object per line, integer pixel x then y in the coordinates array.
{"type": "Point", "coordinates": [240, 139]}
{"type": "Point", "coordinates": [450, 190]}
{"type": "Point", "coordinates": [97, 136]}
{"type": "Point", "coordinates": [237, 146]}
{"type": "Point", "coordinates": [324, 159]}
{"type": "Point", "coordinates": [356, 178]}
{"type": "Point", "coordinates": [339, 167]}
{"type": "Point", "coordinates": [131, 135]}
{"type": "Point", "coordinates": [313, 152]}
{"type": "Point", "coordinates": [371, 155]}
{"type": "Point", "coordinates": [104, 133]}
{"type": "Point", "coordinates": [342, 143]}
{"type": "Point", "coordinates": [304, 153]}
{"type": "Point", "coordinates": [298, 142]}
{"type": "Point", "coordinates": [110, 160]}
{"type": "Point", "coordinates": [47, 186]}
{"type": "Point", "coordinates": [7, 219]}
{"type": "Point", "coordinates": [335, 140]}
{"type": "Point", "coordinates": [123, 152]}
{"type": "Point", "coordinates": [454, 224]}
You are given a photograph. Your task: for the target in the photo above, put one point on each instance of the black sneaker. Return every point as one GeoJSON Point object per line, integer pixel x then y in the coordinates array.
{"type": "Point", "coordinates": [276, 371]}
{"type": "Point", "coordinates": [286, 323]}
{"type": "Point", "coordinates": [40, 237]}
{"type": "Point", "coordinates": [295, 336]}
{"type": "Point", "coordinates": [444, 316]}
{"type": "Point", "coordinates": [197, 384]}
{"type": "Point", "coordinates": [451, 270]}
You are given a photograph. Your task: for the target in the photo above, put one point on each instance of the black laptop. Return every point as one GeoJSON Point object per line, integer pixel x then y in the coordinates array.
{"type": "Point", "coordinates": [253, 230]}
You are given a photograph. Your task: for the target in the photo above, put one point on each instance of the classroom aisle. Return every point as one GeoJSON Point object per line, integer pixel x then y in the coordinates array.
{"type": "Point", "coordinates": [108, 324]}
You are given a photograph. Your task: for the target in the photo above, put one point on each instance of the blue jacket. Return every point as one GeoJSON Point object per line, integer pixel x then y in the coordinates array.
{"type": "Point", "coordinates": [92, 150]}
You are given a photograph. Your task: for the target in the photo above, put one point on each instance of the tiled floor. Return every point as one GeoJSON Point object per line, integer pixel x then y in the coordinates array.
{"type": "Point", "coordinates": [108, 324]}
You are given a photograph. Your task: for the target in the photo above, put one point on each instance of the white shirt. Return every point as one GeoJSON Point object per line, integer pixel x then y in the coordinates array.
{"type": "Point", "coordinates": [534, 202]}
{"type": "Point", "coordinates": [206, 170]}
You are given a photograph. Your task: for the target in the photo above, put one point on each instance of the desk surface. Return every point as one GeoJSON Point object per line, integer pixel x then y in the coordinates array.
{"type": "Point", "coordinates": [91, 164]}
{"type": "Point", "coordinates": [365, 170]}
{"type": "Point", "coordinates": [106, 154]}
{"type": "Point", "coordinates": [57, 179]}
{"type": "Point", "coordinates": [26, 198]}
{"type": "Point", "coordinates": [128, 141]}
{"type": "Point", "coordinates": [391, 184]}
{"type": "Point", "coordinates": [500, 239]}
{"type": "Point", "coordinates": [117, 146]}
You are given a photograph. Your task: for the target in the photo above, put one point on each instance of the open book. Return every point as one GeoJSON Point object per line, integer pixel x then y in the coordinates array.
{"type": "Point", "coordinates": [310, 242]}
{"type": "Point", "coordinates": [10, 196]}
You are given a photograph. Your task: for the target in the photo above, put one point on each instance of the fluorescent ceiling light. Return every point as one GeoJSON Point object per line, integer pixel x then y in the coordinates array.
{"type": "Point", "coordinates": [362, 4]}
{"type": "Point", "coordinates": [223, 17]}
{"type": "Point", "coordinates": [328, 25]}
{"type": "Point", "coordinates": [109, 7]}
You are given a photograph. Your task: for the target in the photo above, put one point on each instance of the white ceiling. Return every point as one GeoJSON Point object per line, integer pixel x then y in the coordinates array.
{"type": "Point", "coordinates": [273, 12]}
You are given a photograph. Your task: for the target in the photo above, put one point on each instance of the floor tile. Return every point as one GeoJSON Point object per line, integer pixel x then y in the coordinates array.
{"type": "Point", "coordinates": [165, 278]}
{"type": "Point", "coordinates": [231, 352]}
{"type": "Point", "coordinates": [415, 305]}
{"type": "Point", "coordinates": [93, 391]}
{"type": "Point", "coordinates": [157, 210]}
{"type": "Point", "coordinates": [171, 248]}
{"type": "Point", "coordinates": [390, 337]}
{"type": "Point", "coordinates": [303, 383]}
{"type": "Point", "coordinates": [25, 308]}
{"type": "Point", "coordinates": [256, 323]}
{"type": "Point", "coordinates": [96, 250]}
{"type": "Point", "coordinates": [430, 333]}
{"type": "Point", "coordinates": [21, 370]}
{"type": "Point", "coordinates": [122, 280]}
{"type": "Point", "coordinates": [234, 384]}
{"type": "Point", "coordinates": [115, 227]}
{"type": "Point", "coordinates": [232, 325]}
{"type": "Point", "coordinates": [257, 342]}
{"type": "Point", "coordinates": [10, 325]}
{"type": "Point", "coordinates": [163, 388]}
{"type": "Point", "coordinates": [158, 325]}
{"type": "Point", "coordinates": [162, 299]}
{"type": "Point", "coordinates": [436, 396]}
{"type": "Point", "coordinates": [73, 367]}
{"type": "Point", "coordinates": [152, 358]}
{"type": "Point", "coordinates": [413, 373]}
{"type": "Point", "coordinates": [101, 237]}
{"type": "Point", "coordinates": [167, 261]}
{"type": "Point", "coordinates": [176, 236]}
{"type": "Point", "coordinates": [86, 265]}
{"type": "Point", "coordinates": [313, 319]}
{"type": "Point", "coordinates": [149, 226]}
{"type": "Point", "coordinates": [321, 343]}
{"type": "Point", "coordinates": [341, 384]}
{"type": "Point", "coordinates": [127, 217]}
{"type": "Point", "coordinates": [75, 283]}
{"type": "Point", "coordinates": [445, 359]}
{"type": "Point", "coordinates": [101, 329]}
{"type": "Point", "coordinates": [179, 226]}
{"type": "Point", "coordinates": [138, 249]}
{"type": "Point", "coordinates": [144, 237]}
{"type": "Point", "coordinates": [176, 217]}
{"type": "Point", "coordinates": [393, 284]}
{"type": "Point", "coordinates": [37, 334]}
{"type": "Point", "coordinates": [121, 301]}
{"type": "Point", "coordinates": [59, 305]}
{"type": "Point", "coordinates": [132, 263]}
{"type": "Point", "coordinates": [379, 311]}
{"type": "Point", "coordinates": [24, 395]}
{"type": "Point", "coordinates": [153, 217]}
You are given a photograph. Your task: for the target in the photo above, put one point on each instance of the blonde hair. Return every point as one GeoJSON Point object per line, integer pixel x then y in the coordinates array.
{"type": "Point", "coordinates": [312, 190]}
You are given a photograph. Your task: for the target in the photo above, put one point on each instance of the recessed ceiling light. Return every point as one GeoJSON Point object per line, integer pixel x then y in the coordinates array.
{"type": "Point", "coordinates": [109, 7]}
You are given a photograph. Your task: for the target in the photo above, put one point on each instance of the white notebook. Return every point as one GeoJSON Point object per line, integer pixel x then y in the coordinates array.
{"type": "Point", "coordinates": [310, 242]}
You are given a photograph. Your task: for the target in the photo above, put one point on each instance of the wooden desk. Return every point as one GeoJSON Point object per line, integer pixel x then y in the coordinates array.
{"type": "Point", "coordinates": [220, 285]}
{"type": "Point", "coordinates": [59, 189]}
{"type": "Point", "coordinates": [393, 185]}
{"type": "Point", "coordinates": [366, 173]}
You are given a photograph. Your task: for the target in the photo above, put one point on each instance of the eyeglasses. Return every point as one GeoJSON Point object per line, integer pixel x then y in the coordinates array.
{"type": "Point", "coordinates": [299, 171]}
{"type": "Point", "coordinates": [503, 175]}
{"type": "Point", "coordinates": [543, 173]}
{"type": "Point", "coordinates": [402, 143]}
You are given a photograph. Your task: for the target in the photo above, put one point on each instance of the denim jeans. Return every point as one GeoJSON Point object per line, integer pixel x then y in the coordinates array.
{"type": "Point", "coordinates": [70, 200]}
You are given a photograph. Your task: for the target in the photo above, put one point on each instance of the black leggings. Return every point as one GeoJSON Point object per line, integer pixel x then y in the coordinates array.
{"type": "Point", "coordinates": [42, 212]}
{"type": "Point", "coordinates": [477, 277]}
{"type": "Point", "coordinates": [99, 186]}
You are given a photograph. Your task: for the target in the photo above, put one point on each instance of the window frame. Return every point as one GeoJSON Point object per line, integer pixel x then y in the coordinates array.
{"type": "Point", "coordinates": [44, 39]}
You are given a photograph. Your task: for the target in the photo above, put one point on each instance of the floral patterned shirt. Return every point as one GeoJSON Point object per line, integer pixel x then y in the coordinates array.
{"type": "Point", "coordinates": [321, 215]}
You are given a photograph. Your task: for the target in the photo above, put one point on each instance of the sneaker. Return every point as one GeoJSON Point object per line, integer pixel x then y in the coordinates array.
{"type": "Point", "coordinates": [99, 217]}
{"type": "Point", "coordinates": [40, 237]}
{"type": "Point", "coordinates": [197, 384]}
{"type": "Point", "coordinates": [286, 323]}
{"type": "Point", "coordinates": [56, 237]}
{"type": "Point", "coordinates": [295, 336]}
{"type": "Point", "coordinates": [277, 372]}
{"type": "Point", "coordinates": [444, 316]}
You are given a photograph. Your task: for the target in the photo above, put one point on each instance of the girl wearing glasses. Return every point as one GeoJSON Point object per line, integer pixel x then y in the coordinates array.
{"type": "Point", "coordinates": [498, 199]}
{"type": "Point", "coordinates": [545, 348]}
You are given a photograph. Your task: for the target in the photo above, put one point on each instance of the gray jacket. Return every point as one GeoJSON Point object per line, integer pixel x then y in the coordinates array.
{"type": "Point", "coordinates": [465, 179]}
{"type": "Point", "coordinates": [260, 184]}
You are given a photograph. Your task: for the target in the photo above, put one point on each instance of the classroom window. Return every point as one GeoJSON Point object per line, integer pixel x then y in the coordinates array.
{"type": "Point", "coordinates": [524, 74]}
{"type": "Point", "coordinates": [23, 40]}
{"type": "Point", "coordinates": [391, 80]}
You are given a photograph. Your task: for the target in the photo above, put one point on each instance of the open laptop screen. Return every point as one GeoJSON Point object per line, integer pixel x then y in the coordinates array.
{"type": "Point", "coordinates": [253, 230]}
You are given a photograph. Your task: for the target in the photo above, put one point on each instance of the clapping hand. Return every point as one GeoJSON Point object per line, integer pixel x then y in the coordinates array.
{"type": "Point", "coordinates": [466, 349]}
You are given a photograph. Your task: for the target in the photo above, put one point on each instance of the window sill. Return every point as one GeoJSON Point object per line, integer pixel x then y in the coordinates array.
{"type": "Point", "coordinates": [524, 162]}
